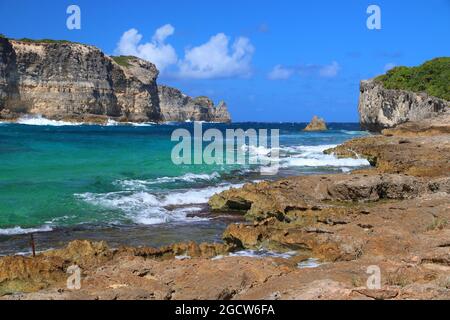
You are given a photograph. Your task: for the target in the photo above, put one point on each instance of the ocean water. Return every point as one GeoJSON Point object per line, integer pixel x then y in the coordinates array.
{"type": "Point", "coordinates": [64, 181]}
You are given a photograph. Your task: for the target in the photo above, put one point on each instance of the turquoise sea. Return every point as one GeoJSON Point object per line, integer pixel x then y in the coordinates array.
{"type": "Point", "coordinates": [118, 183]}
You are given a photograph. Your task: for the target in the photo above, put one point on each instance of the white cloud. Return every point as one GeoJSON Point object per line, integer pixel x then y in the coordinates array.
{"type": "Point", "coordinates": [216, 59]}
{"type": "Point", "coordinates": [156, 51]}
{"type": "Point", "coordinates": [330, 71]}
{"type": "Point", "coordinates": [389, 66]}
{"type": "Point", "coordinates": [280, 73]}
{"type": "Point", "coordinates": [162, 33]}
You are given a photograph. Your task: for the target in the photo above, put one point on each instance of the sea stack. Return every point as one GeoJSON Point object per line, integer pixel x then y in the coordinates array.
{"type": "Point", "coordinates": [316, 124]}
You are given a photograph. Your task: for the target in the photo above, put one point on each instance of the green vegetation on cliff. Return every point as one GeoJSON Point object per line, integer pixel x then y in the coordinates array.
{"type": "Point", "coordinates": [43, 40]}
{"type": "Point", "coordinates": [122, 60]}
{"type": "Point", "coordinates": [432, 77]}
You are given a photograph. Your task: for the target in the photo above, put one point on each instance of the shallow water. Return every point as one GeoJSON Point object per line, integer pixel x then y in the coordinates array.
{"type": "Point", "coordinates": [118, 183]}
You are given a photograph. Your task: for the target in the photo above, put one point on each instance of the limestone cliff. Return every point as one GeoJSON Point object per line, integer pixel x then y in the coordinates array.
{"type": "Point", "coordinates": [176, 105]}
{"type": "Point", "coordinates": [70, 81]}
{"type": "Point", "coordinates": [381, 108]}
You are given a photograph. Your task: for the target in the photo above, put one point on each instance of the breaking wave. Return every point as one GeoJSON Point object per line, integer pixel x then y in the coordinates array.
{"type": "Point", "coordinates": [41, 121]}
{"type": "Point", "coordinates": [20, 230]}
{"type": "Point", "coordinates": [111, 122]}
{"type": "Point", "coordinates": [306, 156]}
{"type": "Point", "coordinates": [155, 208]}
{"type": "Point", "coordinates": [38, 120]}
{"type": "Point", "coordinates": [313, 156]}
{"type": "Point", "coordinates": [262, 253]}
{"type": "Point", "coordinates": [188, 177]}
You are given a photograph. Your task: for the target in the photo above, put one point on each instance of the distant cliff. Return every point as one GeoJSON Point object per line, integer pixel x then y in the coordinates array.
{"type": "Point", "coordinates": [405, 94]}
{"type": "Point", "coordinates": [176, 105]}
{"type": "Point", "coordinates": [75, 82]}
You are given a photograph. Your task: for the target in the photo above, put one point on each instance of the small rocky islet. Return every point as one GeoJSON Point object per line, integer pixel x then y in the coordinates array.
{"type": "Point", "coordinates": [316, 124]}
{"type": "Point", "coordinates": [328, 229]}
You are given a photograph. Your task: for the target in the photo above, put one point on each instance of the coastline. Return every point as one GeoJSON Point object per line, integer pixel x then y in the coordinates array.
{"type": "Point", "coordinates": [37, 119]}
{"type": "Point", "coordinates": [337, 225]}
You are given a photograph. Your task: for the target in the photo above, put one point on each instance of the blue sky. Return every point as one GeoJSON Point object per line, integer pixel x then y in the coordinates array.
{"type": "Point", "coordinates": [269, 60]}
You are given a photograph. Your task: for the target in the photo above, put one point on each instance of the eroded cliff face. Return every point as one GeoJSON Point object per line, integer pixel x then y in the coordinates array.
{"type": "Point", "coordinates": [176, 105]}
{"type": "Point", "coordinates": [381, 108]}
{"type": "Point", "coordinates": [69, 81]}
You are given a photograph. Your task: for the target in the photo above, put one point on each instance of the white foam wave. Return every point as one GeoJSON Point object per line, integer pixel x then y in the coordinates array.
{"type": "Point", "coordinates": [325, 161]}
{"type": "Point", "coordinates": [20, 230]}
{"type": "Point", "coordinates": [27, 253]}
{"type": "Point", "coordinates": [350, 132]}
{"type": "Point", "coordinates": [304, 156]}
{"type": "Point", "coordinates": [155, 208]}
{"type": "Point", "coordinates": [141, 124]}
{"type": "Point", "coordinates": [188, 177]}
{"type": "Point", "coordinates": [306, 150]}
{"type": "Point", "coordinates": [309, 263]}
{"type": "Point", "coordinates": [195, 196]}
{"type": "Point", "coordinates": [38, 120]}
{"type": "Point", "coordinates": [313, 156]}
{"type": "Point", "coordinates": [262, 253]}
{"type": "Point", "coordinates": [112, 122]}
{"type": "Point", "coordinates": [256, 150]}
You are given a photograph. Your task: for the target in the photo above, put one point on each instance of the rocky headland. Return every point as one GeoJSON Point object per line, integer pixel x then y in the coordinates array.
{"type": "Point", "coordinates": [332, 230]}
{"type": "Point", "coordinates": [175, 105]}
{"type": "Point", "coordinates": [405, 94]}
{"type": "Point", "coordinates": [61, 80]}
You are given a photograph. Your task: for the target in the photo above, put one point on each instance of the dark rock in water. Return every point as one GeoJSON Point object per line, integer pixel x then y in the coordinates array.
{"type": "Point", "coordinates": [68, 81]}
{"type": "Point", "coordinates": [316, 124]}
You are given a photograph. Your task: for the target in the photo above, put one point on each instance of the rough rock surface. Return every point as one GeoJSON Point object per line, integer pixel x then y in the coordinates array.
{"type": "Point", "coordinates": [381, 108]}
{"type": "Point", "coordinates": [417, 148]}
{"type": "Point", "coordinates": [176, 105]}
{"type": "Point", "coordinates": [75, 82]}
{"type": "Point", "coordinates": [316, 124]}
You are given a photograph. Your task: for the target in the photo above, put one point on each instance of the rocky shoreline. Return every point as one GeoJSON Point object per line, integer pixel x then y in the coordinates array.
{"type": "Point", "coordinates": [331, 228]}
